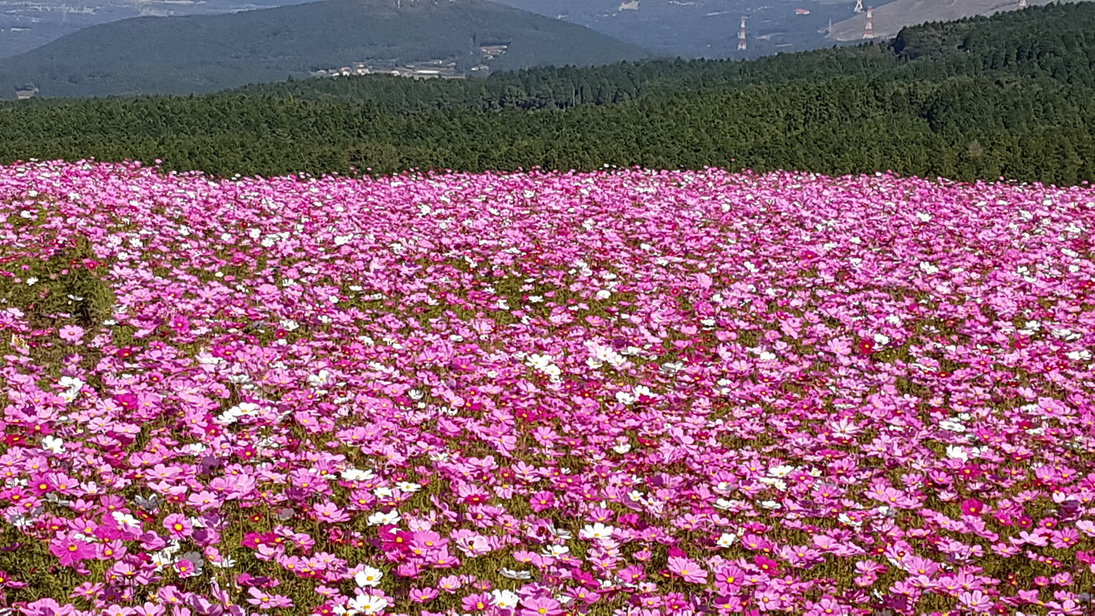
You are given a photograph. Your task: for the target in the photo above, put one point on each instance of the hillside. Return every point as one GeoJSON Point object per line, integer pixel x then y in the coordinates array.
{"type": "Point", "coordinates": [203, 53]}
{"type": "Point", "coordinates": [891, 17]}
{"type": "Point", "coordinates": [28, 24]}
{"type": "Point", "coordinates": [1051, 45]}
{"type": "Point", "coordinates": [703, 28]}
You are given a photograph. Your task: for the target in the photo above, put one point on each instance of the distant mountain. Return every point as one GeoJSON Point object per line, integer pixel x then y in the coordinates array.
{"type": "Point", "coordinates": [685, 28]}
{"type": "Point", "coordinates": [205, 53]}
{"type": "Point", "coordinates": [27, 24]}
{"type": "Point", "coordinates": [704, 28]}
{"type": "Point", "coordinates": [888, 20]}
{"type": "Point", "coordinates": [1011, 95]}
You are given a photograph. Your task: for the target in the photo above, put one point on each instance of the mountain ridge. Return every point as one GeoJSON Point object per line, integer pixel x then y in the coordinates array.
{"type": "Point", "coordinates": [890, 18]}
{"type": "Point", "coordinates": [205, 53]}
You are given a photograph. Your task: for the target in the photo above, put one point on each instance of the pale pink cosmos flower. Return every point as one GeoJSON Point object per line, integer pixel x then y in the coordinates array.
{"type": "Point", "coordinates": [71, 334]}
{"type": "Point", "coordinates": [689, 570]}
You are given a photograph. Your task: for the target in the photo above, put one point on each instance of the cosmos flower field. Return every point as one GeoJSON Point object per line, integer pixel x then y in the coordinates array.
{"type": "Point", "coordinates": [624, 393]}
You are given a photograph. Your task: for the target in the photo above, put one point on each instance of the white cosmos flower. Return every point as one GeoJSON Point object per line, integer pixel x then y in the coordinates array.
{"type": "Point", "coordinates": [379, 518]}
{"type": "Point", "coordinates": [957, 453]}
{"type": "Point", "coordinates": [672, 367]}
{"type": "Point", "coordinates": [952, 426]}
{"type": "Point", "coordinates": [506, 599]}
{"type": "Point", "coordinates": [367, 604]}
{"type": "Point", "coordinates": [539, 362]}
{"type": "Point", "coordinates": [556, 550]}
{"type": "Point", "coordinates": [781, 471]}
{"type": "Point", "coordinates": [226, 562]}
{"type": "Point", "coordinates": [562, 534]}
{"type": "Point", "coordinates": [228, 417]}
{"type": "Point", "coordinates": [246, 408]}
{"type": "Point", "coordinates": [596, 531]}
{"type": "Point", "coordinates": [162, 559]}
{"type": "Point", "coordinates": [368, 577]}
{"type": "Point", "coordinates": [726, 540]}
{"type": "Point", "coordinates": [622, 448]}
{"type": "Point", "coordinates": [847, 520]}
{"type": "Point", "coordinates": [53, 444]}
{"type": "Point", "coordinates": [125, 520]}
{"type": "Point", "coordinates": [354, 474]}
{"type": "Point", "coordinates": [625, 398]}
{"type": "Point", "coordinates": [776, 483]}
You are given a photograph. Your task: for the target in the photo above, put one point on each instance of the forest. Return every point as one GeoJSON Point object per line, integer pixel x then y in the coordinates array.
{"type": "Point", "coordinates": [1009, 96]}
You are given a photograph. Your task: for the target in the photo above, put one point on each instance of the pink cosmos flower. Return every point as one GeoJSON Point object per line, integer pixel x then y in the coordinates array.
{"type": "Point", "coordinates": [478, 602]}
{"type": "Point", "coordinates": [976, 601]}
{"type": "Point", "coordinates": [423, 595]}
{"type": "Point", "coordinates": [178, 526]}
{"type": "Point", "coordinates": [184, 568]}
{"type": "Point", "coordinates": [49, 607]}
{"type": "Point", "coordinates": [540, 606]}
{"type": "Point", "coordinates": [689, 570]}
{"type": "Point", "coordinates": [71, 551]}
{"type": "Point", "coordinates": [827, 606]}
{"type": "Point", "coordinates": [450, 583]}
{"type": "Point", "coordinates": [265, 601]}
{"type": "Point", "coordinates": [330, 513]}
{"type": "Point", "coordinates": [71, 333]}
{"type": "Point", "coordinates": [973, 507]}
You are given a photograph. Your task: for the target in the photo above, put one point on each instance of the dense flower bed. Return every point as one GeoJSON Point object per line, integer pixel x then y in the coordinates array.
{"type": "Point", "coordinates": [631, 392]}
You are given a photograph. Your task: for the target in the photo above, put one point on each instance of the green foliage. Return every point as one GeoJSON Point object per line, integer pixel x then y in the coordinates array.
{"type": "Point", "coordinates": [66, 285]}
{"type": "Point", "coordinates": [55, 290]}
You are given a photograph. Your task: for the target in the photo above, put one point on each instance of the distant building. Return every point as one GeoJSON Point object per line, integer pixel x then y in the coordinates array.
{"type": "Point", "coordinates": [429, 69]}
{"type": "Point", "coordinates": [25, 91]}
{"type": "Point", "coordinates": [491, 52]}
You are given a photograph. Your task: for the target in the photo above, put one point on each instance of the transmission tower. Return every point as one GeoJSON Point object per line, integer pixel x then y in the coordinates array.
{"type": "Point", "coordinates": [868, 30]}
